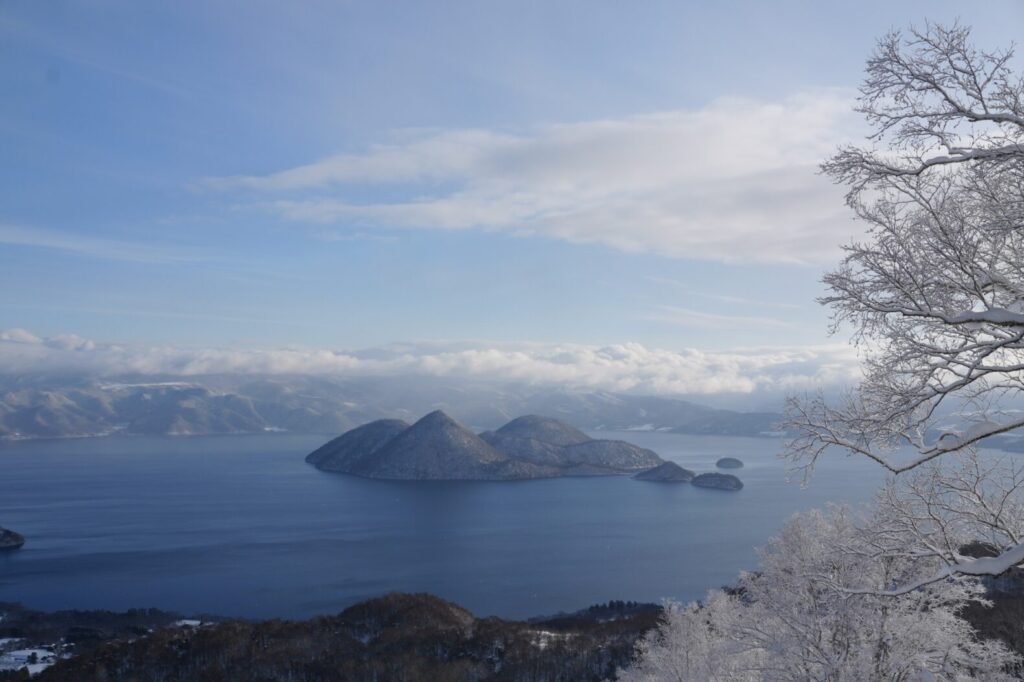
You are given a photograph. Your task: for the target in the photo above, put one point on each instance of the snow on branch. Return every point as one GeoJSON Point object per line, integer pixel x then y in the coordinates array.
{"type": "Point", "coordinates": [936, 100]}
{"type": "Point", "coordinates": [800, 616]}
{"type": "Point", "coordinates": [934, 295]}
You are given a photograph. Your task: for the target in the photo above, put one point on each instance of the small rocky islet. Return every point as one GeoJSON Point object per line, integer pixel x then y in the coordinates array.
{"type": "Point", "coordinates": [717, 481]}
{"type": "Point", "coordinates": [438, 448]}
{"type": "Point", "coordinates": [729, 463]}
{"type": "Point", "coordinates": [670, 472]}
{"type": "Point", "coordinates": [10, 540]}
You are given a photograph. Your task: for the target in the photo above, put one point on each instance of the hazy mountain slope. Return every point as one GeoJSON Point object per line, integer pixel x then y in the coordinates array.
{"type": "Point", "coordinates": [547, 441]}
{"type": "Point", "coordinates": [351, 449]}
{"type": "Point", "coordinates": [535, 439]}
{"type": "Point", "coordinates": [543, 429]}
{"type": "Point", "coordinates": [612, 454]}
{"type": "Point", "coordinates": [435, 447]}
{"type": "Point", "coordinates": [54, 407]}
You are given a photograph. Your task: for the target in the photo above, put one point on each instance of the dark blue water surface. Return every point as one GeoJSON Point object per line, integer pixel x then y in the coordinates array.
{"type": "Point", "coordinates": [241, 526]}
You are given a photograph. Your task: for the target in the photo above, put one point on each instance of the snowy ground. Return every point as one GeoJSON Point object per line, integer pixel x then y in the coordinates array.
{"type": "Point", "coordinates": [186, 623]}
{"type": "Point", "coordinates": [18, 653]}
{"type": "Point", "coordinates": [35, 660]}
{"type": "Point", "coordinates": [542, 638]}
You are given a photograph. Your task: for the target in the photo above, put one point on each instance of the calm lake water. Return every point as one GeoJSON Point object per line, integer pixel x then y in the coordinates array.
{"type": "Point", "coordinates": [241, 526]}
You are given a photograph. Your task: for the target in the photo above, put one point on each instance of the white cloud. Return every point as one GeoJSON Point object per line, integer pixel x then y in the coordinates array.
{"type": "Point", "coordinates": [628, 367]}
{"type": "Point", "coordinates": [735, 181]}
{"type": "Point", "coordinates": [19, 336]}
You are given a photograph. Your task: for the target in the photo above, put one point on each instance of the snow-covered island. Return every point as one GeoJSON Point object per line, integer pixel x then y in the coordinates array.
{"type": "Point", "coordinates": [439, 448]}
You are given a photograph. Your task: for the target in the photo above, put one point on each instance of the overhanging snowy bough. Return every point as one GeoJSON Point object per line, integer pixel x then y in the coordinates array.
{"type": "Point", "coordinates": [934, 293]}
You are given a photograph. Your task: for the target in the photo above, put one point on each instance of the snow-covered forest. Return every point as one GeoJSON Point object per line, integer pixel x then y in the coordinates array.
{"type": "Point", "coordinates": [934, 297]}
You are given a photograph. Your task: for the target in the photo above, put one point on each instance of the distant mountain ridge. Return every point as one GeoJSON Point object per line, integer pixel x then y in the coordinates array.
{"type": "Point", "coordinates": [437, 447]}
{"type": "Point", "coordinates": [224, 404]}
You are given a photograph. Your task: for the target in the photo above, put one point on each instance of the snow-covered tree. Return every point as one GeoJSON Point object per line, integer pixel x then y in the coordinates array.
{"type": "Point", "coordinates": [693, 642]}
{"type": "Point", "coordinates": [966, 517]}
{"type": "Point", "coordinates": [935, 295]}
{"type": "Point", "coordinates": [935, 291]}
{"type": "Point", "coordinates": [803, 616]}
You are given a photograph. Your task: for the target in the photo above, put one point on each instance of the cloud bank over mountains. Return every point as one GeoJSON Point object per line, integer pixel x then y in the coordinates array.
{"type": "Point", "coordinates": [628, 367]}
{"type": "Point", "coordinates": [733, 181]}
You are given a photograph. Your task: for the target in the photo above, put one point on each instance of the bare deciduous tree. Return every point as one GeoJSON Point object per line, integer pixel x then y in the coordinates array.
{"type": "Point", "coordinates": [935, 291]}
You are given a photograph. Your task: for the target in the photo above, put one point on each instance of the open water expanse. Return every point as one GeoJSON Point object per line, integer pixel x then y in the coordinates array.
{"type": "Point", "coordinates": [241, 526]}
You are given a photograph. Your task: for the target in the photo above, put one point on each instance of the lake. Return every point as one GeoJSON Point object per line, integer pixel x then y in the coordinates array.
{"type": "Point", "coordinates": [241, 526]}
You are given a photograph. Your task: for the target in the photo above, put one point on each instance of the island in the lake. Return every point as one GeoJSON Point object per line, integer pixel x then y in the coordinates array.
{"type": "Point", "coordinates": [729, 463]}
{"type": "Point", "coordinates": [10, 540]}
{"type": "Point", "coordinates": [717, 481]}
{"type": "Point", "coordinates": [439, 448]}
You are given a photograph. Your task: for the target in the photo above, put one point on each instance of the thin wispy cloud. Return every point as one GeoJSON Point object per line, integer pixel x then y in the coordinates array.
{"type": "Point", "coordinates": [683, 287]}
{"type": "Point", "coordinates": [97, 247]}
{"type": "Point", "coordinates": [734, 181]}
{"type": "Point", "coordinates": [685, 317]}
{"type": "Point", "coordinates": [139, 312]}
{"type": "Point", "coordinates": [44, 40]}
{"type": "Point", "coordinates": [335, 236]}
{"type": "Point", "coordinates": [630, 367]}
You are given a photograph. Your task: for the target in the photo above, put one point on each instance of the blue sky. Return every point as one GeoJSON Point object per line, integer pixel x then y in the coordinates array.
{"type": "Point", "coordinates": [346, 175]}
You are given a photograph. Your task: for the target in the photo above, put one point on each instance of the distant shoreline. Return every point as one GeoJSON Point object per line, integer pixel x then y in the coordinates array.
{"type": "Point", "coordinates": [326, 434]}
